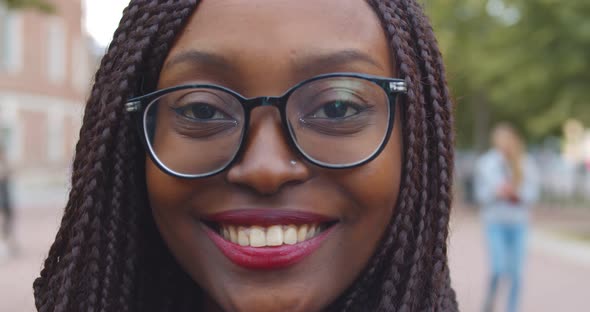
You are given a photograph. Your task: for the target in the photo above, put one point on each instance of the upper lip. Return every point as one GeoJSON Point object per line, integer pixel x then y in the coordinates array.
{"type": "Point", "coordinates": [267, 217]}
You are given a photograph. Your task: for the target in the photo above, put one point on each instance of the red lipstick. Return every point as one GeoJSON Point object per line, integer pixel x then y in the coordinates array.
{"type": "Point", "coordinates": [268, 257]}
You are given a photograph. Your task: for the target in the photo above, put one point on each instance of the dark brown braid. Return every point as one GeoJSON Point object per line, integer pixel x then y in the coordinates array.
{"type": "Point", "coordinates": [108, 254]}
{"type": "Point", "coordinates": [73, 272]}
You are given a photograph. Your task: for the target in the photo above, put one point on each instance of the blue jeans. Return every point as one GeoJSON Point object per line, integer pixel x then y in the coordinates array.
{"type": "Point", "coordinates": [506, 248]}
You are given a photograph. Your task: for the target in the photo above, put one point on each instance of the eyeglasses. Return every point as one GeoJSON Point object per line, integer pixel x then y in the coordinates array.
{"type": "Point", "coordinates": [338, 120]}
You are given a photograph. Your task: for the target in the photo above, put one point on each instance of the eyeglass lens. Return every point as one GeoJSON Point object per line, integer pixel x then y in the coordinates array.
{"type": "Point", "coordinates": [335, 121]}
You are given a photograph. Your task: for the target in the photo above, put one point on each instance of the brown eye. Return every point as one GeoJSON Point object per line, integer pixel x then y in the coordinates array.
{"type": "Point", "coordinates": [200, 111]}
{"type": "Point", "coordinates": [336, 109]}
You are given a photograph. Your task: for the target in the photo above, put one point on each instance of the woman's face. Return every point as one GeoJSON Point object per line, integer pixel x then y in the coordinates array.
{"type": "Point", "coordinates": [262, 48]}
{"type": "Point", "coordinates": [505, 141]}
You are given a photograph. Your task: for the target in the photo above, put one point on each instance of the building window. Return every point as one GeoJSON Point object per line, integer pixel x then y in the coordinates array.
{"type": "Point", "coordinates": [80, 71]}
{"type": "Point", "coordinates": [35, 137]}
{"type": "Point", "coordinates": [56, 50]}
{"type": "Point", "coordinates": [55, 137]}
{"type": "Point", "coordinates": [10, 40]}
{"type": "Point", "coordinates": [9, 127]}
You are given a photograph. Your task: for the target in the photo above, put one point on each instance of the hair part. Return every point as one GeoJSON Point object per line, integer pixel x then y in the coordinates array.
{"type": "Point", "coordinates": [108, 254]}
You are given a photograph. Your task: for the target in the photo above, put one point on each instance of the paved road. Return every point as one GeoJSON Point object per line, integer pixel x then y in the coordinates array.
{"type": "Point", "coordinates": [557, 275]}
{"type": "Point", "coordinates": [35, 230]}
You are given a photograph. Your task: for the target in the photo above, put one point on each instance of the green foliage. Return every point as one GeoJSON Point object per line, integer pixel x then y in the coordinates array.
{"type": "Point", "coordinates": [523, 61]}
{"type": "Point", "coordinates": [42, 5]}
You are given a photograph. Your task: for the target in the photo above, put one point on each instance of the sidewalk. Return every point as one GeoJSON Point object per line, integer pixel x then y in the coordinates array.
{"type": "Point", "coordinates": [35, 229]}
{"type": "Point", "coordinates": [557, 275]}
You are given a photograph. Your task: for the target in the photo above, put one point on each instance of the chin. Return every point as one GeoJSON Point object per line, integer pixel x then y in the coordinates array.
{"type": "Point", "coordinates": [264, 300]}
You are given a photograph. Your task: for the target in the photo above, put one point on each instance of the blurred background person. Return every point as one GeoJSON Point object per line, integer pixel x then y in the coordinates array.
{"type": "Point", "coordinates": [7, 243]}
{"type": "Point", "coordinates": [506, 185]}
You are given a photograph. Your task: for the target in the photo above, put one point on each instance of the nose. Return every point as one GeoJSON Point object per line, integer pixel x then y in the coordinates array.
{"type": "Point", "coordinates": [267, 162]}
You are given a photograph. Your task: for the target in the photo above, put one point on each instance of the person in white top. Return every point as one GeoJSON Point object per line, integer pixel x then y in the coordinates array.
{"type": "Point", "coordinates": [506, 186]}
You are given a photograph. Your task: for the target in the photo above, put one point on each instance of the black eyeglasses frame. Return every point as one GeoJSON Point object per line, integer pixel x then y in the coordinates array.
{"type": "Point", "coordinates": [138, 107]}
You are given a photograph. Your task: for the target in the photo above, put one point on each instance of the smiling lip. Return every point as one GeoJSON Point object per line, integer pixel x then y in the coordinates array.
{"type": "Point", "coordinates": [266, 258]}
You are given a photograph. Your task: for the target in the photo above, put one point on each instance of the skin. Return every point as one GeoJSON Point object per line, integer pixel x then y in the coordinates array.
{"type": "Point", "coordinates": [507, 143]}
{"type": "Point", "coordinates": [265, 48]}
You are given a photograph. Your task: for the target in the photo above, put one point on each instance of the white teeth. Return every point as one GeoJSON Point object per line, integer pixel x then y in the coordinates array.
{"type": "Point", "coordinates": [311, 232]}
{"type": "Point", "coordinates": [226, 233]}
{"type": "Point", "coordinates": [302, 233]}
{"type": "Point", "coordinates": [290, 237]}
{"type": "Point", "coordinates": [243, 239]}
{"type": "Point", "coordinates": [233, 234]}
{"type": "Point", "coordinates": [257, 236]}
{"type": "Point", "coordinates": [275, 235]}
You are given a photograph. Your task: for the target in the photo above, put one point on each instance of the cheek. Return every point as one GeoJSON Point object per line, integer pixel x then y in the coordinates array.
{"type": "Point", "coordinates": [169, 197]}
{"type": "Point", "coordinates": [168, 192]}
{"type": "Point", "coordinates": [161, 194]}
{"type": "Point", "coordinates": [375, 186]}
{"type": "Point", "coordinates": [162, 188]}
{"type": "Point", "coordinates": [374, 189]}
{"type": "Point", "coordinates": [170, 201]}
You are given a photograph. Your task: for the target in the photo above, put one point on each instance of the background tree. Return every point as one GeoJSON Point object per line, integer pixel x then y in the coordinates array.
{"type": "Point", "coordinates": [42, 5]}
{"type": "Point", "coordinates": [522, 61]}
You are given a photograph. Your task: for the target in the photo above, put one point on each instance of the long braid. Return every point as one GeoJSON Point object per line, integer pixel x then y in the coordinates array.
{"type": "Point", "coordinates": [79, 242]}
{"type": "Point", "coordinates": [135, 203]}
{"type": "Point", "coordinates": [414, 285]}
{"type": "Point", "coordinates": [167, 279]}
{"type": "Point", "coordinates": [440, 176]}
{"type": "Point", "coordinates": [91, 208]}
{"type": "Point", "coordinates": [418, 23]}
{"type": "Point", "coordinates": [391, 287]}
{"type": "Point", "coordinates": [114, 229]}
{"type": "Point", "coordinates": [85, 254]}
{"type": "Point", "coordinates": [442, 106]}
{"type": "Point", "coordinates": [93, 264]}
{"type": "Point", "coordinates": [81, 166]}
{"type": "Point", "coordinates": [136, 207]}
{"type": "Point", "coordinates": [49, 277]}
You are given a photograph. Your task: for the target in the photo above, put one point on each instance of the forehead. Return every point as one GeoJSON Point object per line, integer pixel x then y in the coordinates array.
{"type": "Point", "coordinates": [280, 34]}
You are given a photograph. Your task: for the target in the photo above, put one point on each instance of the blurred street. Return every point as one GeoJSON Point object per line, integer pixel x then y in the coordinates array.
{"type": "Point", "coordinates": [35, 229]}
{"type": "Point", "coordinates": [557, 271]}
{"type": "Point", "coordinates": [557, 267]}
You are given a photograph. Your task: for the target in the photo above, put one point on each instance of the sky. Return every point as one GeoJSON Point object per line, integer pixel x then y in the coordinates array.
{"type": "Point", "coordinates": [102, 18]}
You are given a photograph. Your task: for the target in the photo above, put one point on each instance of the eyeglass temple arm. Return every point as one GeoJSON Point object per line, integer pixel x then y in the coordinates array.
{"type": "Point", "coordinates": [133, 106]}
{"type": "Point", "coordinates": [398, 86]}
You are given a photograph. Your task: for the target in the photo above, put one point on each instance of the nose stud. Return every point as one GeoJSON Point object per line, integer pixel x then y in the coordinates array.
{"type": "Point", "coordinates": [293, 163]}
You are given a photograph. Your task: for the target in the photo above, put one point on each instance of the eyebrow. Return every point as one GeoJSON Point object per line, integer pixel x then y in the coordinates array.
{"type": "Point", "coordinates": [306, 64]}
{"type": "Point", "coordinates": [200, 57]}
{"type": "Point", "coordinates": [311, 63]}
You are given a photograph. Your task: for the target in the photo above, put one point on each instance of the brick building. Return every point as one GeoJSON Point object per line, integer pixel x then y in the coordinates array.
{"type": "Point", "coordinates": [45, 66]}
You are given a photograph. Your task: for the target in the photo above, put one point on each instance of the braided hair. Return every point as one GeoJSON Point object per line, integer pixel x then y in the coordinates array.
{"type": "Point", "coordinates": [108, 255]}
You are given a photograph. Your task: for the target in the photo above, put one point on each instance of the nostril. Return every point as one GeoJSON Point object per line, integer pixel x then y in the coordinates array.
{"type": "Point", "coordinates": [267, 176]}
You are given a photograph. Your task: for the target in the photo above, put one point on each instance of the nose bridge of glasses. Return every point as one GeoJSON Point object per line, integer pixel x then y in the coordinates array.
{"type": "Point", "coordinates": [265, 114]}
{"type": "Point", "coordinates": [266, 143]}
{"type": "Point", "coordinates": [252, 103]}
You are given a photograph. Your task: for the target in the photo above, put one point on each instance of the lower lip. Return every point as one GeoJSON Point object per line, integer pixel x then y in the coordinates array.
{"type": "Point", "coordinates": [267, 258]}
